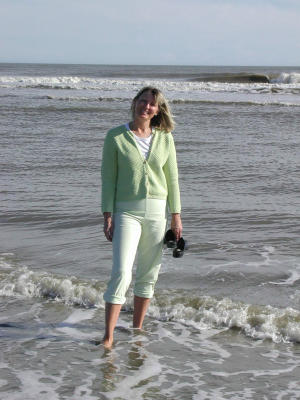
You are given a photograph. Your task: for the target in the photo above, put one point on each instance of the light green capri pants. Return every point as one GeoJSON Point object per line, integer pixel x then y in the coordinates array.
{"type": "Point", "coordinates": [139, 228]}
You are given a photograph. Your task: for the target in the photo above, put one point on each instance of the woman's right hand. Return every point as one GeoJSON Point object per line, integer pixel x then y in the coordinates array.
{"type": "Point", "coordinates": [108, 228]}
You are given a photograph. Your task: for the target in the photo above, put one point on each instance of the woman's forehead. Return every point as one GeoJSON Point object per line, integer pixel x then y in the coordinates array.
{"type": "Point", "coordinates": [147, 95]}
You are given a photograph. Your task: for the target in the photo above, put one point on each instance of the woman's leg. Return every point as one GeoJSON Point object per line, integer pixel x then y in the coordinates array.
{"type": "Point", "coordinates": [127, 231]}
{"type": "Point", "coordinates": [112, 312]}
{"type": "Point", "coordinates": [148, 265]}
{"type": "Point", "coordinates": [141, 305]}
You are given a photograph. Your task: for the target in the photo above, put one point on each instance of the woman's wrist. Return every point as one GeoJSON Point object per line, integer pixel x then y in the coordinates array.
{"type": "Point", "coordinates": [176, 225]}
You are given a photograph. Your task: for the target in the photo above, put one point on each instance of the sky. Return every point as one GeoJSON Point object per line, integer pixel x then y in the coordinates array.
{"type": "Point", "coordinates": [152, 32]}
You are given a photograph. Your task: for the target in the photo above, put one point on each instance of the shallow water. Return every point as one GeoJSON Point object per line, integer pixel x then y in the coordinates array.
{"type": "Point", "coordinates": [225, 320]}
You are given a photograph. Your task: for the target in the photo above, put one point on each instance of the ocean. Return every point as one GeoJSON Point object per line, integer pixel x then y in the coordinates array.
{"type": "Point", "coordinates": [225, 319]}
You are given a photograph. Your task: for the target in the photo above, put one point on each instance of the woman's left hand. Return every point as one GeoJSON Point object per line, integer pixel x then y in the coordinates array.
{"type": "Point", "coordinates": [176, 226]}
{"type": "Point", "coordinates": [108, 228]}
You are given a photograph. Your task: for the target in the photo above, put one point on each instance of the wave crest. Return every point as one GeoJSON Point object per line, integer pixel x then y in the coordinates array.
{"type": "Point", "coordinates": [202, 312]}
{"type": "Point", "coordinates": [289, 78]}
{"type": "Point", "coordinates": [69, 290]}
{"type": "Point", "coordinates": [258, 322]}
{"type": "Point", "coordinates": [234, 78]}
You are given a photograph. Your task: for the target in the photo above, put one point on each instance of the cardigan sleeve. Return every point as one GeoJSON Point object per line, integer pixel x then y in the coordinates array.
{"type": "Point", "coordinates": [171, 173]}
{"type": "Point", "coordinates": [109, 170]}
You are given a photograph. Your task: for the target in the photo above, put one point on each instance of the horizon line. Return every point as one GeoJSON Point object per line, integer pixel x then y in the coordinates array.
{"type": "Point", "coordinates": [150, 65]}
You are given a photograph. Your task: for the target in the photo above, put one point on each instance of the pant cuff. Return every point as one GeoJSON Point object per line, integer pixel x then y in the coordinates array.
{"type": "Point", "coordinates": [145, 295]}
{"type": "Point", "coordinates": [114, 299]}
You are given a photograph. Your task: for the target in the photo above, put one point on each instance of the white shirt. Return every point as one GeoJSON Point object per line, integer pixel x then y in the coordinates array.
{"type": "Point", "coordinates": [143, 143]}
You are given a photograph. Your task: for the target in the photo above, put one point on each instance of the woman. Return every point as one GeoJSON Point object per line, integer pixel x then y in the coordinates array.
{"type": "Point", "coordinates": [139, 178]}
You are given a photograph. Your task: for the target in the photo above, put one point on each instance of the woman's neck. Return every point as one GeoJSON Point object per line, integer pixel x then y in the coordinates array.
{"type": "Point", "coordinates": [141, 129]}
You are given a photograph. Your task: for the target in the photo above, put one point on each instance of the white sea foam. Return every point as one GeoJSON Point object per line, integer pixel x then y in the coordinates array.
{"type": "Point", "coordinates": [176, 90]}
{"type": "Point", "coordinates": [70, 290]}
{"type": "Point", "coordinates": [218, 394]}
{"type": "Point", "coordinates": [64, 82]}
{"type": "Point", "coordinates": [68, 327]}
{"type": "Point", "coordinates": [3, 382]}
{"type": "Point", "coordinates": [259, 322]}
{"type": "Point", "coordinates": [256, 373]}
{"type": "Point", "coordinates": [6, 260]}
{"type": "Point", "coordinates": [288, 78]}
{"type": "Point", "coordinates": [35, 385]}
{"type": "Point", "coordinates": [294, 276]}
{"type": "Point", "coordinates": [80, 315]}
{"type": "Point", "coordinates": [130, 388]}
{"type": "Point", "coordinates": [85, 388]}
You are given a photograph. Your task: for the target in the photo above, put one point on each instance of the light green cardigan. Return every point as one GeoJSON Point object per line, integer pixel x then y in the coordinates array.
{"type": "Point", "coordinates": [127, 175]}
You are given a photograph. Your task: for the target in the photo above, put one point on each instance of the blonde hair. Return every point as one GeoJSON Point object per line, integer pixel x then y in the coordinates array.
{"type": "Point", "coordinates": [163, 120]}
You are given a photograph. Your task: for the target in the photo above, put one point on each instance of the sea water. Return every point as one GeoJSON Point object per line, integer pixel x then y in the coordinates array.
{"type": "Point", "coordinates": [225, 319]}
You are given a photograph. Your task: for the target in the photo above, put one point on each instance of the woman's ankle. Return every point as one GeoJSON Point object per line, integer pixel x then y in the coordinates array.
{"type": "Point", "coordinates": [107, 341]}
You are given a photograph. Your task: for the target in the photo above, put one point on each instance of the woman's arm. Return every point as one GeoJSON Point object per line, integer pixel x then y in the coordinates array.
{"type": "Point", "coordinates": [109, 179]}
{"type": "Point", "coordinates": [171, 174]}
{"type": "Point", "coordinates": [109, 170]}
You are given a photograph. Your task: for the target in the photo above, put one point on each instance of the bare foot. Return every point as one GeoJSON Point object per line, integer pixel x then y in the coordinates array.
{"type": "Point", "coordinates": [107, 343]}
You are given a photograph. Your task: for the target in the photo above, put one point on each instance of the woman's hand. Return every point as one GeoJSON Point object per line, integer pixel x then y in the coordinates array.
{"type": "Point", "coordinates": [108, 228]}
{"type": "Point", "coordinates": [176, 226]}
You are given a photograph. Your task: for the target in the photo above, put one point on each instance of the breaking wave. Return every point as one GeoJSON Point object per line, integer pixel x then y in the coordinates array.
{"type": "Point", "coordinates": [288, 78]}
{"type": "Point", "coordinates": [201, 312]}
{"type": "Point", "coordinates": [209, 82]}
{"type": "Point", "coordinates": [256, 321]}
{"type": "Point", "coordinates": [233, 78]}
{"type": "Point", "coordinates": [22, 282]}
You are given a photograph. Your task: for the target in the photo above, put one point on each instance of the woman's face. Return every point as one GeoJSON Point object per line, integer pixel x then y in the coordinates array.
{"type": "Point", "coordinates": [146, 106]}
